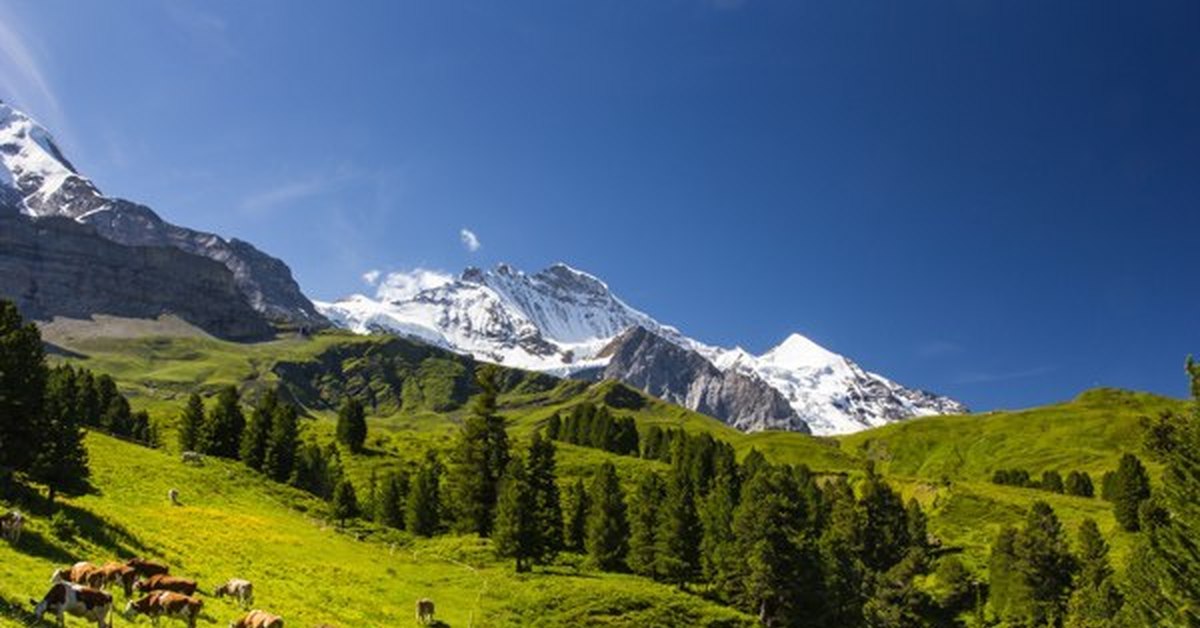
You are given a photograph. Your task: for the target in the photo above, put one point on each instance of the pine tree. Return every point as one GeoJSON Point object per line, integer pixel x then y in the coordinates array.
{"type": "Point", "coordinates": [60, 461]}
{"type": "Point", "coordinates": [1009, 593]}
{"type": "Point", "coordinates": [607, 526]}
{"type": "Point", "coordinates": [1096, 601]}
{"type": "Point", "coordinates": [191, 424]}
{"type": "Point", "coordinates": [253, 448]}
{"type": "Point", "coordinates": [23, 376]}
{"type": "Point", "coordinates": [679, 532]}
{"type": "Point", "coordinates": [575, 525]}
{"type": "Point", "coordinates": [1079, 483]}
{"type": "Point", "coordinates": [772, 578]}
{"type": "Point", "coordinates": [548, 513]}
{"type": "Point", "coordinates": [717, 559]}
{"type": "Point", "coordinates": [1052, 481]}
{"type": "Point", "coordinates": [352, 424]}
{"type": "Point", "coordinates": [885, 523]}
{"type": "Point", "coordinates": [422, 514]}
{"type": "Point", "coordinates": [643, 524]}
{"type": "Point", "coordinates": [1044, 570]}
{"type": "Point", "coordinates": [840, 548]}
{"type": "Point", "coordinates": [553, 426]}
{"type": "Point", "coordinates": [345, 502]}
{"type": "Point", "coordinates": [1108, 486]}
{"type": "Point", "coordinates": [479, 458]}
{"type": "Point", "coordinates": [652, 443]}
{"type": "Point", "coordinates": [279, 459]}
{"type": "Point", "coordinates": [1163, 571]}
{"type": "Point", "coordinates": [393, 495]}
{"type": "Point", "coordinates": [1131, 488]}
{"type": "Point", "coordinates": [224, 425]}
{"type": "Point", "coordinates": [516, 529]}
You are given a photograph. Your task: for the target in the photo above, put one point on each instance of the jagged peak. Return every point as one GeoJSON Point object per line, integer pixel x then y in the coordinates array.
{"type": "Point", "coordinates": [798, 351]}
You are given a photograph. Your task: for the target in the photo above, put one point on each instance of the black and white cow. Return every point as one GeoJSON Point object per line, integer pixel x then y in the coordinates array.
{"type": "Point", "coordinates": [65, 598]}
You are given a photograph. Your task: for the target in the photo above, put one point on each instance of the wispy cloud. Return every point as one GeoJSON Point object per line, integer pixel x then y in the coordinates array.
{"type": "Point", "coordinates": [371, 277]}
{"type": "Point", "coordinates": [209, 32]}
{"type": "Point", "coordinates": [985, 377]}
{"type": "Point", "coordinates": [938, 349]}
{"type": "Point", "coordinates": [470, 240]}
{"type": "Point", "coordinates": [401, 285]}
{"type": "Point", "coordinates": [282, 194]}
{"type": "Point", "coordinates": [24, 80]}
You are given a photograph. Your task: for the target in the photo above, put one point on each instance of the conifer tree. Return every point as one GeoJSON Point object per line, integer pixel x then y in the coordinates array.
{"type": "Point", "coordinates": [717, 557]}
{"type": "Point", "coordinates": [840, 547]}
{"type": "Point", "coordinates": [345, 502]}
{"type": "Point", "coordinates": [422, 514]}
{"type": "Point", "coordinates": [352, 424]}
{"type": "Point", "coordinates": [1052, 481]}
{"type": "Point", "coordinates": [223, 428]}
{"type": "Point", "coordinates": [279, 458]}
{"type": "Point", "coordinates": [253, 448]}
{"type": "Point", "coordinates": [607, 526]}
{"type": "Point", "coordinates": [553, 426]}
{"type": "Point", "coordinates": [1032, 570]}
{"type": "Point", "coordinates": [1079, 483]}
{"type": "Point", "coordinates": [479, 458]}
{"type": "Point", "coordinates": [1108, 486]}
{"type": "Point", "coordinates": [516, 529]}
{"type": "Point", "coordinates": [579, 505]}
{"type": "Point", "coordinates": [191, 424]}
{"type": "Point", "coordinates": [23, 376]}
{"type": "Point", "coordinates": [393, 496]}
{"type": "Point", "coordinates": [1009, 592]}
{"type": "Point", "coordinates": [548, 513]}
{"type": "Point", "coordinates": [643, 524]}
{"type": "Point", "coordinates": [885, 523]}
{"type": "Point", "coordinates": [60, 460]}
{"type": "Point", "coordinates": [86, 400]}
{"type": "Point", "coordinates": [1096, 601]}
{"type": "Point", "coordinates": [771, 578]}
{"type": "Point", "coordinates": [678, 539]}
{"type": "Point", "coordinates": [1131, 488]}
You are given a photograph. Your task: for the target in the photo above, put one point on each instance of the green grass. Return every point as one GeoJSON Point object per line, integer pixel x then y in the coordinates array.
{"type": "Point", "coordinates": [235, 523]}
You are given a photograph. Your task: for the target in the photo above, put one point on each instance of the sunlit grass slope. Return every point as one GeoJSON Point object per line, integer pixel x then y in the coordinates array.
{"type": "Point", "coordinates": [234, 523]}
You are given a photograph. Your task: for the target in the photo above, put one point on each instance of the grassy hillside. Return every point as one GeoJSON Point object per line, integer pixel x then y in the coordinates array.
{"type": "Point", "coordinates": [416, 396]}
{"type": "Point", "coordinates": [234, 523]}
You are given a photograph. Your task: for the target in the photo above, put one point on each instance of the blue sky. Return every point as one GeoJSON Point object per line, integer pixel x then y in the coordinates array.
{"type": "Point", "coordinates": [994, 200]}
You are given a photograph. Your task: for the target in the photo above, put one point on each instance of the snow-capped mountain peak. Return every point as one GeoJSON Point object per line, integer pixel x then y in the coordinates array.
{"type": "Point", "coordinates": [563, 320]}
{"type": "Point", "coordinates": [35, 167]}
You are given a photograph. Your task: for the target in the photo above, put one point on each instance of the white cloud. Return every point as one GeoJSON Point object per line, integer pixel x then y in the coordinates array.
{"type": "Point", "coordinates": [469, 240]}
{"type": "Point", "coordinates": [402, 285]}
{"type": "Point", "coordinates": [371, 276]}
{"type": "Point", "coordinates": [265, 200]}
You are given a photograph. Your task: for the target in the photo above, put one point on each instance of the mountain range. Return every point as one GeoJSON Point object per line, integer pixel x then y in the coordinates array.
{"type": "Point", "coordinates": [565, 321]}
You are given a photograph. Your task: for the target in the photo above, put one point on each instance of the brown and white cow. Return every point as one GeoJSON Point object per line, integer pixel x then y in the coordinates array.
{"type": "Point", "coordinates": [424, 611]}
{"type": "Point", "coordinates": [258, 619]}
{"type": "Point", "coordinates": [11, 524]}
{"type": "Point", "coordinates": [146, 568]}
{"type": "Point", "coordinates": [82, 572]}
{"type": "Point", "coordinates": [119, 574]}
{"type": "Point", "coordinates": [239, 589]}
{"type": "Point", "coordinates": [165, 604]}
{"type": "Point", "coordinates": [65, 598]}
{"type": "Point", "coordinates": [163, 582]}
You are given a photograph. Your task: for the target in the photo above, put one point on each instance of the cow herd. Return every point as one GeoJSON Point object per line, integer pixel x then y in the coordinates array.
{"type": "Point", "coordinates": [79, 591]}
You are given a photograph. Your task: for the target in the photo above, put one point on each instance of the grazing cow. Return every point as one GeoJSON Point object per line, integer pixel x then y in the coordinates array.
{"type": "Point", "coordinates": [65, 598]}
{"type": "Point", "coordinates": [10, 526]}
{"type": "Point", "coordinates": [242, 590]}
{"type": "Point", "coordinates": [424, 611]}
{"type": "Point", "coordinates": [116, 573]}
{"type": "Point", "coordinates": [192, 457]}
{"type": "Point", "coordinates": [82, 572]}
{"type": "Point", "coordinates": [165, 604]}
{"type": "Point", "coordinates": [147, 568]}
{"type": "Point", "coordinates": [258, 619]}
{"type": "Point", "coordinates": [173, 495]}
{"type": "Point", "coordinates": [163, 582]}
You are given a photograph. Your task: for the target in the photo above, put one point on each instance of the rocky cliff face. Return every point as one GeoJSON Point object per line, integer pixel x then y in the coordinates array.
{"type": "Point", "coordinates": [662, 368]}
{"type": "Point", "coordinates": [58, 267]}
{"type": "Point", "coordinates": [37, 178]}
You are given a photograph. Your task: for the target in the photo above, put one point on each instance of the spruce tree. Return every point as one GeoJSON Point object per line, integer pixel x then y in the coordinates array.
{"type": "Point", "coordinates": [1131, 488]}
{"type": "Point", "coordinates": [191, 424]}
{"type": "Point", "coordinates": [279, 458]}
{"type": "Point", "coordinates": [23, 376]}
{"type": "Point", "coordinates": [575, 523]}
{"type": "Point", "coordinates": [1052, 481]}
{"type": "Point", "coordinates": [1008, 592]}
{"type": "Point", "coordinates": [548, 513]}
{"type": "Point", "coordinates": [553, 426]}
{"type": "Point", "coordinates": [764, 525]}
{"type": "Point", "coordinates": [86, 400]}
{"type": "Point", "coordinates": [840, 547]}
{"type": "Point", "coordinates": [1046, 566]}
{"type": "Point", "coordinates": [1164, 567]}
{"type": "Point", "coordinates": [717, 557]}
{"type": "Point", "coordinates": [60, 460]}
{"type": "Point", "coordinates": [679, 532]}
{"type": "Point", "coordinates": [253, 448]}
{"type": "Point", "coordinates": [479, 458]}
{"type": "Point", "coordinates": [393, 496]}
{"type": "Point", "coordinates": [224, 425]}
{"type": "Point", "coordinates": [516, 529]}
{"type": "Point", "coordinates": [345, 502]}
{"type": "Point", "coordinates": [1096, 601]}
{"type": "Point", "coordinates": [1108, 486]}
{"type": "Point", "coordinates": [607, 526]}
{"type": "Point", "coordinates": [643, 524]}
{"type": "Point", "coordinates": [352, 424]}
{"type": "Point", "coordinates": [422, 515]}
{"type": "Point", "coordinates": [885, 523]}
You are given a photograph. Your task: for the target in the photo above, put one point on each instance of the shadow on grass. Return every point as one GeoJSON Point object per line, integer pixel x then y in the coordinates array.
{"type": "Point", "coordinates": [111, 536]}
{"type": "Point", "coordinates": [21, 611]}
{"type": "Point", "coordinates": [35, 544]}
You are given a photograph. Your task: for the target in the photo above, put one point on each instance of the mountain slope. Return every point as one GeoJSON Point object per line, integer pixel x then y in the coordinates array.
{"type": "Point", "coordinates": [560, 319]}
{"type": "Point", "coordinates": [39, 180]}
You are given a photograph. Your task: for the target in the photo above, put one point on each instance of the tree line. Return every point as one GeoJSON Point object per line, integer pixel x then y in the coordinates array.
{"type": "Point", "coordinates": [1078, 483]}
